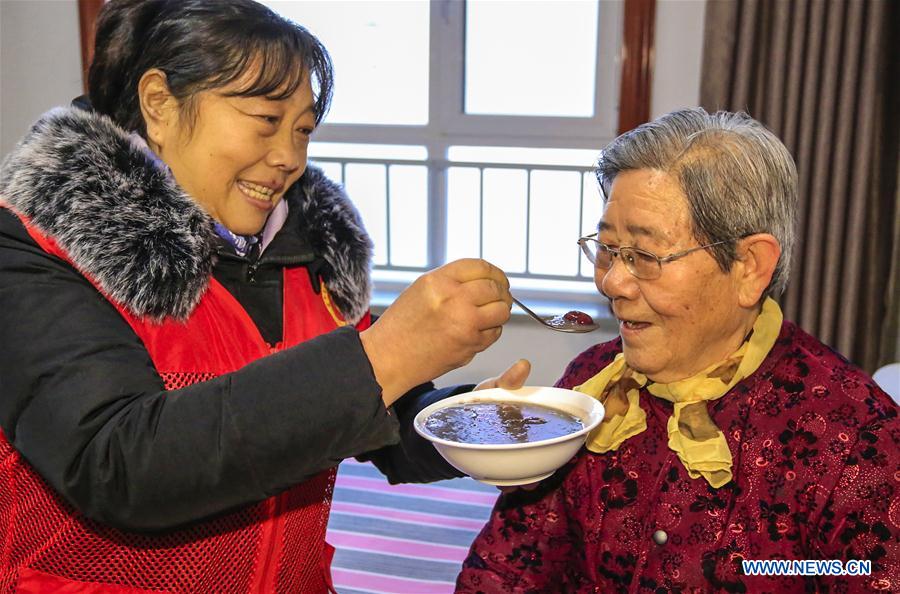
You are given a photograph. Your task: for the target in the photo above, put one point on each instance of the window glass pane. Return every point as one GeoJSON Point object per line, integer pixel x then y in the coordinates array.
{"type": "Point", "coordinates": [591, 210]}
{"type": "Point", "coordinates": [555, 201]}
{"type": "Point", "coordinates": [463, 213]}
{"type": "Point", "coordinates": [409, 215]}
{"type": "Point", "coordinates": [531, 156]}
{"type": "Point", "coordinates": [409, 152]}
{"type": "Point", "coordinates": [395, 276]}
{"type": "Point", "coordinates": [531, 58]}
{"type": "Point", "coordinates": [332, 170]}
{"type": "Point", "coordinates": [504, 218]}
{"type": "Point", "coordinates": [366, 186]}
{"type": "Point", "coordinates": [380, 55]}
{"type": "Point", "coordinates": [529, 283]}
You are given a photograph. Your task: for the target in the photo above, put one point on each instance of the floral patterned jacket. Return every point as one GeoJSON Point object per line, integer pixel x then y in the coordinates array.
{"type": "Point", "coordinates": [816, 476]}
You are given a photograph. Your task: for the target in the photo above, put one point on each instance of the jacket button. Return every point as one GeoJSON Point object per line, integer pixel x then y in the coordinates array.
{"type": "Point", "coordinates": [660, 537]}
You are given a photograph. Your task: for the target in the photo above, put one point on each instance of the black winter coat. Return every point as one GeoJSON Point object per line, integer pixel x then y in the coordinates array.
{"type": "Point", "coordinates": [78, 391]}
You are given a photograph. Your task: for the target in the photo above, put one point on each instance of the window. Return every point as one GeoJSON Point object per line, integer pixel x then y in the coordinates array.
{"type": "Point", "coordinates": [470, 128]}
{"type": "Point", "coordinates": [458, 134]}
{"type": "Point", "coordinates": [501, 62]}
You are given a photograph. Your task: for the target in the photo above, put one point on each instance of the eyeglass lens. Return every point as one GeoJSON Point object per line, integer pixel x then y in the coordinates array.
{"type": "Point", "coordinates": [637, 263]}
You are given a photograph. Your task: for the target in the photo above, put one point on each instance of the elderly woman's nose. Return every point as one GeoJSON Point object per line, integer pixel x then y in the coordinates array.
{"type": "Point", "coordinates": [616, 281]}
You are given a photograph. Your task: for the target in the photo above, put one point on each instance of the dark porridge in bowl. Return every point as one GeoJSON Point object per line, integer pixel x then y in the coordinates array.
{"type": "Point", "coordinates": [500, 423]}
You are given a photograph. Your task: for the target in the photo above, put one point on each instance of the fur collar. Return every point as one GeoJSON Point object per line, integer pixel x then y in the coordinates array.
{"type": "Point", "coordinates": [126, 224]}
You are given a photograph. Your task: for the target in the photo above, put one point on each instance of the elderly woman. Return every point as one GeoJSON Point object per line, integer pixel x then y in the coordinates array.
{"type": "Point", "coordinates": [731, 435]}
{"type": "Point", "coordinates": [186, 351]}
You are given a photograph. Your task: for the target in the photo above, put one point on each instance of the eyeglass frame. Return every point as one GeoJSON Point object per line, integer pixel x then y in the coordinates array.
{"type": "Point", "coordinates": [617, 253]}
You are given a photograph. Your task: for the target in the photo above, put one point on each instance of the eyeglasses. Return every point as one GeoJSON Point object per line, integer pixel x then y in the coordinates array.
{"type": "Point", "coordinates": [641, 263]}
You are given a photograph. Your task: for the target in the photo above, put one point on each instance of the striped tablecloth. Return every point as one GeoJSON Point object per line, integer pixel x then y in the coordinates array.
{"type": "Point", "coordinates": [402, 539]}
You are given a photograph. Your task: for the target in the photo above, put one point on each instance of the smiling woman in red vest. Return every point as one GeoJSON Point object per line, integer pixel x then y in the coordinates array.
{"type": "Point", "coordinates": [186, 351]}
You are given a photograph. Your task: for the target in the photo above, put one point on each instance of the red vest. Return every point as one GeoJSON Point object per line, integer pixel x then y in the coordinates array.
{"type": "Point", "coordinates": [277, 546]}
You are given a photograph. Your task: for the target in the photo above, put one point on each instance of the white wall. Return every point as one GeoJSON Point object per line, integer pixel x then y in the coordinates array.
{"type": "Point", "coordinates": [40, 62]}
{"type": "Point", "coordinates": [678, 53]}
{"type": "Point", "coordinates": [40, 67]}
{"type": "Point", "coordinates": [523, 338]}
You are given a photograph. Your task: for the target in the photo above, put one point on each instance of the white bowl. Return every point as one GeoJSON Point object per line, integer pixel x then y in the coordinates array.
{"type": "Point", "coordinates": [516, 463]}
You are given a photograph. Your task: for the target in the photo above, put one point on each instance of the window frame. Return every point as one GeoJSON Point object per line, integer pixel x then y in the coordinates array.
{"type": "Point", "coordinates": [637, 54]}
{"type": "Point", "coordinates": [87, 19]}
{"type": "Point", "coordinates": [625, 31]}
{"type": "Point", "coordinates": [448, 125]}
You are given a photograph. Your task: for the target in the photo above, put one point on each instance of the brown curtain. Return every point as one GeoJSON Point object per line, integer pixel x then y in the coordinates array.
{"type": "Point", "coordinates": [823, 76]}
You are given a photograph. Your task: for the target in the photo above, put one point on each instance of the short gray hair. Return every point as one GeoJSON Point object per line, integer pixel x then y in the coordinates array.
{"type": "Point", "coordinates": [738, 178]}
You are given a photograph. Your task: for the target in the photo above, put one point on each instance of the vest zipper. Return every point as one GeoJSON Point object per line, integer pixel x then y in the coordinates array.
{"type": "Point", "coordinates": [253, 256]}
{"type": "Point", "coordinates": [270, 548]}
{"type": "Point", "coordinates": [251, 272]}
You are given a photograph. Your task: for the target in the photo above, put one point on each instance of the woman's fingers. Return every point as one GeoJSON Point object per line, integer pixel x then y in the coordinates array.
{"type": "Point", "coordinates": [515, 375]}
{"type": "Point", "coordinates": [495, 313]}
{"type": "Point", "coordinates": [439, 323]}
{"type": "Point", "coordinates": [485, 290]}
{"type": "Point", "coordinates": [468, 269]}
{"type": "Point", "coordinates": [513, 378]}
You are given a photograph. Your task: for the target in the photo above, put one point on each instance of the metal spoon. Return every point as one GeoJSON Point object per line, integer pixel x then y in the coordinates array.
{"type": "Point", "coordinates": [560, 323]}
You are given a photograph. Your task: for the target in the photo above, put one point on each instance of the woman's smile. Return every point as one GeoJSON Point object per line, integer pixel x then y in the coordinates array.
{"type": "Point", "coordinates": [234, 162]}
{"type": "Point", "coordinates": [264, 197]}
{"type": "Point", "coordinates": [632, 329]}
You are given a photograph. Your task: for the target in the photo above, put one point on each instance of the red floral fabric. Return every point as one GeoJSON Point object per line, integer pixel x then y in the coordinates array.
{"type": "Point", "coordinates": [816, 476]}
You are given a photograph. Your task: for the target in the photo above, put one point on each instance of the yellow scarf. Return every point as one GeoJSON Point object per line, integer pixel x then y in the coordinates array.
{"type": "Point", "coordinates": [700, 445]}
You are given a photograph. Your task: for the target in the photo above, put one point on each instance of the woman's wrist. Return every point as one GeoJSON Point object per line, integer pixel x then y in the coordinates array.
{"type": "Point", "coordinates": [388, 368]}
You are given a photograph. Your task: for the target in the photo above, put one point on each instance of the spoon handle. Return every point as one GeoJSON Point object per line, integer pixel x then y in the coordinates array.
{"type": "Point", "coordinates": [528, 311]}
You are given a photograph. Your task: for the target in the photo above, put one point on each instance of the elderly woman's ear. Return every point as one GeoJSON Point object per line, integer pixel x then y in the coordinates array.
{"type": "Point", "coordinates": [757, 256]}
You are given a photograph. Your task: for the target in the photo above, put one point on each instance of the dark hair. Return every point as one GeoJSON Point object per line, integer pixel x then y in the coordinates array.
{"type": "Point", "coordinates": [200, 45]}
